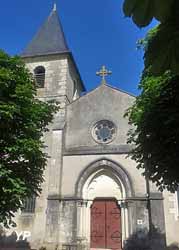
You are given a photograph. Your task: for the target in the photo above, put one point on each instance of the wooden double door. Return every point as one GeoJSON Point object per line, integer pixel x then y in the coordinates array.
{"type": "Point", "coordinates": [105, 224]}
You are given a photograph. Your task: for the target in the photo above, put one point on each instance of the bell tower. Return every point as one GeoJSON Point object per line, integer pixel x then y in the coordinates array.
{"type": "Point", "coordinates": [56, 75]}
{"type": "Point", "coordinates": [50, 60]}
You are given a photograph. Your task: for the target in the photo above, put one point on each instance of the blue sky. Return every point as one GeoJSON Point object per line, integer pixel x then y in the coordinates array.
{"type": "Point", "coordinates": [96, 31]}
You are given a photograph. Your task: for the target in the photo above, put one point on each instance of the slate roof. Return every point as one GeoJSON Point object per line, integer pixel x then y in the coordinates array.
{"type": "Point", "coordinates": [49, 39]}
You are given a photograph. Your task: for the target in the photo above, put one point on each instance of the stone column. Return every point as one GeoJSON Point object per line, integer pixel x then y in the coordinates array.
{"type": "Point", "coordinates": [54, 189]}
{"type": "Point", "coordinates": [67, 213]}
{"type": "Point", "coordinates": [158, 221]}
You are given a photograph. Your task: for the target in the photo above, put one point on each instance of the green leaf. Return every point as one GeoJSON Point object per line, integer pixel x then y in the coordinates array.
{"type": "Point", "coordinates": [142, 14]}
{"type": "Point", "coordinates": [143, 11]}
{"type": "Point", "coordinates": [162, 52]}
{"type": "Point", "coordinates": [163, 9]}
{"type": "Point", "coordinates": [128, 7]}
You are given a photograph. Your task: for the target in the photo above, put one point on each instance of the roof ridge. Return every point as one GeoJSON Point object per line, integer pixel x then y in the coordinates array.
{"type": "Point", "coordinates": [102, 86]}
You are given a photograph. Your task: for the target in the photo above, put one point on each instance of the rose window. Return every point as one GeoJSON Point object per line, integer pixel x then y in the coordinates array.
{"type": "Point", "coordinates": [104, 131]}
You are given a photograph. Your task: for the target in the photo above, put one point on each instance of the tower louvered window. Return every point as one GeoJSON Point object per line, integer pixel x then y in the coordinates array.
{"type": "Point", "coordinates": [39, 75]}
{"type": "Point", "coordinates": [29, 205]}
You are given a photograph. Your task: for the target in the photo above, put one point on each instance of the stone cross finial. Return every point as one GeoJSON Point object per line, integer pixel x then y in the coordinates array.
{"type": "Point", "coordinates": [103, 73]}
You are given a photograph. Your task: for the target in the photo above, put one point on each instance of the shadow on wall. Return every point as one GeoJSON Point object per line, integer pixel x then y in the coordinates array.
{"type": "Point", "coordinates": [10, 242]}
{"type": "Point", "coordinates": [174, 246]}
{"type": "Point", "coordinates": [142, 240]}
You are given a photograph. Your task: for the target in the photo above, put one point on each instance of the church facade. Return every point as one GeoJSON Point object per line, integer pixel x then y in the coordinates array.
{"type": "Point", "coordinates": [92, 195]}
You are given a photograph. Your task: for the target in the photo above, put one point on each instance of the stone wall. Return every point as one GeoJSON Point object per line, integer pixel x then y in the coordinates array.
{"type": "Point", "coordinates": [44, 224]}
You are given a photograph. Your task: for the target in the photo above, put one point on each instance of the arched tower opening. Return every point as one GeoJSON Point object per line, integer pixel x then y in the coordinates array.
{"type": "Point", "coordinates": [39, 75]}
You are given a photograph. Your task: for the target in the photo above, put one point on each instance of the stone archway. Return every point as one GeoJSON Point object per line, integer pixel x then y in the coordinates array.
{"type": "Point", "coordinates": [102, 179]}
{"type": "Point", "coordinates": [107, 164]}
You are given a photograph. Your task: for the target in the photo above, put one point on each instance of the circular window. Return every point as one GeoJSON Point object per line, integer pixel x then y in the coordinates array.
{"type": "Point", "coordinates": [104, 131]}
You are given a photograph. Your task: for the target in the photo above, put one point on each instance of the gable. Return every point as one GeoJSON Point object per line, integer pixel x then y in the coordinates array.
{"type": "Point", "coordinates": [103, 103]}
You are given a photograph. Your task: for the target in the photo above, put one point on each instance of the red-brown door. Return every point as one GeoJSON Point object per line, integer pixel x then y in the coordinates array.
{"type": "Point", "coordinates": [105, 225]}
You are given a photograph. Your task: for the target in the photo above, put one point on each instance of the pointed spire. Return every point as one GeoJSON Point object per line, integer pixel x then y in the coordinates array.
{"type": "Point", "coordinates": [49, 39]}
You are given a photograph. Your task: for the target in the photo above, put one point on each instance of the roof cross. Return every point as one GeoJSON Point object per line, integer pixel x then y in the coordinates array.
{"type": "Point", "coordinates": [103, 73]}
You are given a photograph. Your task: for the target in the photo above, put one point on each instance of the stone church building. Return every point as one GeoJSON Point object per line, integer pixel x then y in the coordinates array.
{"type": "Point", "coordinates": [93, 195]}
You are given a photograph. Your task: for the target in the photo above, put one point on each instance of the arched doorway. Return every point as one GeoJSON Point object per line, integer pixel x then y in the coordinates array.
{"type": "Point", "coordinates": [104, 184]}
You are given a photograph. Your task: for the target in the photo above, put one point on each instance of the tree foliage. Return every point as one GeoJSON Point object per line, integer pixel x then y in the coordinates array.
{"type": "Point", "coordinates": [155, 113]}
{"type": "Point", "coordinates": [23, 120]}
{"type": "Point", "coordinates": [163, 49]}
{"type": "Point", "coordinates": [141, 239]}
{"type": "Point", "coordinates": [143, 11]}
